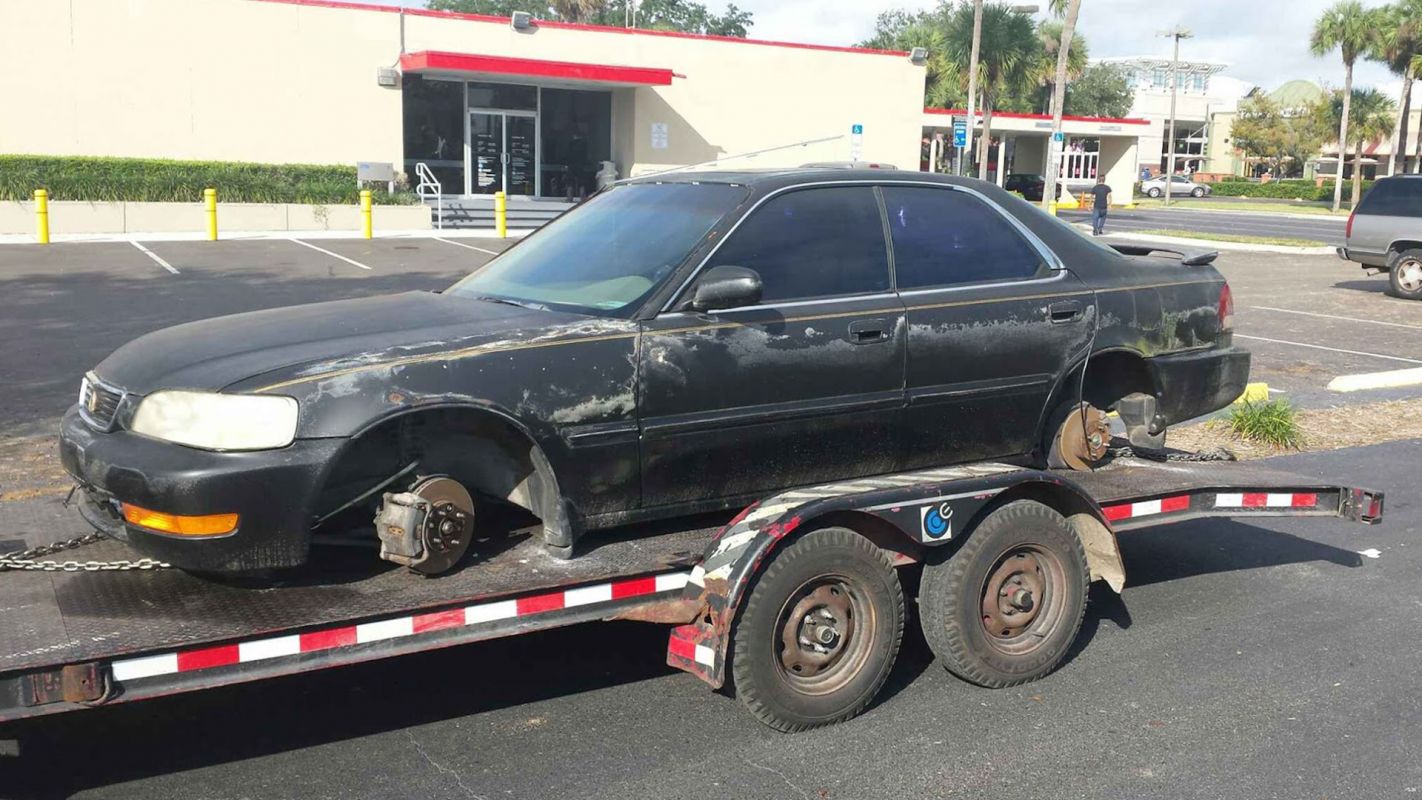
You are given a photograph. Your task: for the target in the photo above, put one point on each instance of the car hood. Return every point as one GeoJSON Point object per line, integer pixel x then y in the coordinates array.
{"type": "Point", "coordinates": [279, 343]}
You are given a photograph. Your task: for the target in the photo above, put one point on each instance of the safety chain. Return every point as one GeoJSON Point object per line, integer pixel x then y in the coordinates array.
{"type": "Point", "coordinates": [25, 560]}
{"type": "Point", "coordinates": [1216, 454]}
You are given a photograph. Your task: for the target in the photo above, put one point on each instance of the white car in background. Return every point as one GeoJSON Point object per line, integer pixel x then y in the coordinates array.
{"type": "Point", "coordinates": [1179, 187]}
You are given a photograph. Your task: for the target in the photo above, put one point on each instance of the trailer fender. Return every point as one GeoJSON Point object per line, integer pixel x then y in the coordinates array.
{"type": "Point", "coordinates": [935, 509]}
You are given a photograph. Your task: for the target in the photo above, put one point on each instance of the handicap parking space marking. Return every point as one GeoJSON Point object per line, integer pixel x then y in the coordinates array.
{"type": "Point", "coordinates": [466, 246]}
{"type": "Point", "coordinates": [338, 255]}
{"type": "Point", "coordinates": [1335, 316]}
{"type": "Point", "coordinates": [1329, 349]}
{"type": "Point", "coordinates": [154, 256]}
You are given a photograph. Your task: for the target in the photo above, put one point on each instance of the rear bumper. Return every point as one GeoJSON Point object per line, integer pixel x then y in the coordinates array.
{"type": "Point", "coordinates": [1190, 385]}
{"type": "Point", "coordinates": [272, 491]}
{"type": "Point", "coordinates": [1369, 260]}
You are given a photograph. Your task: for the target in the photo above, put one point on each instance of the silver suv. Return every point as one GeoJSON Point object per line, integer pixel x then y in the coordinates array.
{"type": "Point", "coordinates": [1385, 234]}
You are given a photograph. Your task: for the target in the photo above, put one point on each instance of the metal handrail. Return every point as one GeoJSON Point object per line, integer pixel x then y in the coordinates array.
{"type": "Point", "coordinates": [427, 183]}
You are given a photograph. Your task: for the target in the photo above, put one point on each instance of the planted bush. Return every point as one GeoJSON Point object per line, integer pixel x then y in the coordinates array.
{"type": "Point", "coordinates": [1270, 422]}
{"type": "Point", "coordinates": [1282, 190]}
{"type": "Point", "coordinates": [163, 180]}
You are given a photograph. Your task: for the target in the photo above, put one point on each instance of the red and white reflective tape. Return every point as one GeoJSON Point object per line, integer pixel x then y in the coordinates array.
{"type": "Point", "coordinates": [1146, 508]}
{"type": "Point", "coordinates": [1267, 500]}
{"type": "Point", "coordinates": [364, 633]}
{"type": "Point", "coordinates": [690, 650]}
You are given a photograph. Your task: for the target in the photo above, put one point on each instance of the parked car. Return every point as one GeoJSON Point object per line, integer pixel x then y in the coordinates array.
{"type": "Point", "coordinates": [1384, 234]}
{"type": "Point", "coordinates": [676, 344]}
{"type": "Point", "coordinates": [1179, 187]}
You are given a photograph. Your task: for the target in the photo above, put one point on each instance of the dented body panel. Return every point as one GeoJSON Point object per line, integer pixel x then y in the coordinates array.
{"type": "Point", "coordinates": [660, 410]}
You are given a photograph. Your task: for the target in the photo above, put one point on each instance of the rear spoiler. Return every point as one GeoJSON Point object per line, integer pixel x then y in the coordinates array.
{"type": "Point", "coordinates": [1197, 258]}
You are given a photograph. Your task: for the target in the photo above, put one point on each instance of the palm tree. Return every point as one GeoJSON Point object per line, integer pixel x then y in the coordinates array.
{"type": "Point", "coordinates": [1049, 48]}
{"type": "Point", "coordinates": [1399, 45]}
{"type": "Point", "coordinates": [1370, 119]}
{"type": "Point", "coordinates": [1349, 27]}
{"type": "Point", "coordinates": [1070, 9]}
{"type": "Point", "coordinates": [1008, 46]}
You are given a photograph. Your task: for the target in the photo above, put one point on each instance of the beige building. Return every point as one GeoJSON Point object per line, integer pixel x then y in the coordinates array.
{"type": "Point", "coordinates": [1201, 94]}
{"type": "Point", "coordinates": [485, 103]}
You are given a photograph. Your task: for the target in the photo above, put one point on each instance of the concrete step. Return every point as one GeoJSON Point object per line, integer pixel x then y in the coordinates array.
{"type": "Point", "coordinates": [478, 212]}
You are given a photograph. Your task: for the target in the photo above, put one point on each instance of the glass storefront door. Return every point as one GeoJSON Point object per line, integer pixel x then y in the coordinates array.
{"type": "Point", "coordinates": [502, 152]}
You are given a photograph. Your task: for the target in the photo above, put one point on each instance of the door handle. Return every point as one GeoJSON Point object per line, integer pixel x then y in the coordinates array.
{"type": "Point", "coordinates": [868, 331]}
{"type": "Point", "coordinates": [1065, 311]}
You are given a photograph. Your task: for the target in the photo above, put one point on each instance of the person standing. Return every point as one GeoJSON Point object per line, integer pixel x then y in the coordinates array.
{"type": "Point", "coordinates": [1101, 200]}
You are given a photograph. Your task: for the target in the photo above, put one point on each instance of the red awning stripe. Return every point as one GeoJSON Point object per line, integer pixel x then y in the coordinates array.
{"type": "Point", "coordinates": [441, 61]}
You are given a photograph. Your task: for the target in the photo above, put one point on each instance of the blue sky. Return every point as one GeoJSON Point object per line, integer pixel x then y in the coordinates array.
{"type": "Point", "coordinates": [1264, 42]}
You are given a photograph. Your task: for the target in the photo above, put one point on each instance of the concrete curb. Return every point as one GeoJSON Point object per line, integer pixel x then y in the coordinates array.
{"type": "Point", "coordinates": [201, 236]}
{"type": "Point", "coordinates": [1252, 213]}
{"type": "Point", "coordinates": [1214, 244]}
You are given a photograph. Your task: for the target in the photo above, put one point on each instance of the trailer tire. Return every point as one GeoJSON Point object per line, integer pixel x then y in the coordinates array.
{"type": "Point", "coordinates": [1022, 554]}
{"type": "Point", "coordinates": [834, 572]}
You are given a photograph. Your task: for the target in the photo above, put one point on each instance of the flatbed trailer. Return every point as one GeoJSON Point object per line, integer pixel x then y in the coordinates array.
{"type": "Point", "coordinates": [79, 640]}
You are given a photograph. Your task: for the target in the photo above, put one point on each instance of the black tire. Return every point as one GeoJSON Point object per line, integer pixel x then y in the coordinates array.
{"type": "Point", "coordinates": [951, 597]}
{"type": "Point", "coordinates": [860, 661]}
{"type": "Point", "coordinates": [1403, 275]}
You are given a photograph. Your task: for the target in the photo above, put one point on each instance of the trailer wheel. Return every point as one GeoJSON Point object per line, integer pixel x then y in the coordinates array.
{"type": "Point", "coordinates": [1005, 607]}
{"type": "Point", "coordinates": [819, 632]}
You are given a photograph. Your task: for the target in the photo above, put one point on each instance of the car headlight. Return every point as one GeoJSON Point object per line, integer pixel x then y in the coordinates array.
{"type": "Point", "coordinates": [214, 421]}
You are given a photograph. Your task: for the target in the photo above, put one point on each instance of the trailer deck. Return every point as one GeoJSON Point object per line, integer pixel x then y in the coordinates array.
{"type": "Point", "coordinates": [73, 639]}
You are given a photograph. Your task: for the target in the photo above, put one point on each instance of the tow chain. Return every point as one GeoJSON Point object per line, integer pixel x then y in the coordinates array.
{"type": "Point", "coordinates": [27, 560]}
{"type": "Point", "coordinates": [1216, 454]}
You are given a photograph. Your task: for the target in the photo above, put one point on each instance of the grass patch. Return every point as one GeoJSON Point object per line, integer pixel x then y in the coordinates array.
{"type": "Point", "coordinates": [1231, 237]}
{"type": "Point", "coordinates": [1271, 422]}
{"type": "Point", "coordinates": [1262, 206]}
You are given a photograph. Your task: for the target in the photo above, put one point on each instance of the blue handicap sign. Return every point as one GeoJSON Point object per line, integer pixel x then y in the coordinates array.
{"type": "Point", "coordinates": [960, 134]}
{"type": "Point", "coordinates": [1057, 137]}
{"type": "Point", "coordinates": [856, 129]}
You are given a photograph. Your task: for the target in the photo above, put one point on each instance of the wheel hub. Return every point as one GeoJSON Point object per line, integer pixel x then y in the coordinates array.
{"type": "Point", "coordinates": [1409, 275]}
{"type": "Point", "coordinates": [1011, 599]}
{"type": "Point", "coordinates": [816, 630]}
{"type": "Point", "coordinates": [1081, 440]}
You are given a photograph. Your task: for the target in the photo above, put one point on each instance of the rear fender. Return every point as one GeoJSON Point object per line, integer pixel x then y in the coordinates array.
{"type": "Point", "coordinates": [914, 513]}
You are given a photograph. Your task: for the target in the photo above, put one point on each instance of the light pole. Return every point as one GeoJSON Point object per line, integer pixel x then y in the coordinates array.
{"type": "Point", "coordinates": [1177, 33]}
{"type": "Point", "coordinates": [973, 81]}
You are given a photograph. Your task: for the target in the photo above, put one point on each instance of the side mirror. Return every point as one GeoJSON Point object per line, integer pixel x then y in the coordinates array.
{"type": "Point", "coordinates": [726, 286]}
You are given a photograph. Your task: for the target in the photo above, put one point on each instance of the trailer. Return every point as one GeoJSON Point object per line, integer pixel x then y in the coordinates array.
{"type": "Point", "coordinates": [799, 601]}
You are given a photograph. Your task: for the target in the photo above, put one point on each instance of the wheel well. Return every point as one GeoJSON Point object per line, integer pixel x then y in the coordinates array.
{"type": "Point", "coordinates": [1403, 245]}
{"type": "Point", "coordinates": [1103, 556]}
{"type": "Point", "coordinates": [1110, 376]}
{"type": "Point", "coordinates": [882, 533]}
{"type": "Point", "coordinates": [486, 452]}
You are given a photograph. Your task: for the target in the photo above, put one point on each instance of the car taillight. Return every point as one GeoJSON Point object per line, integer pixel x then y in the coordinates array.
{"type": "Point", "coordinates": [1348, 230]}
{"type": "Point", "coordinates": [1226, 309]}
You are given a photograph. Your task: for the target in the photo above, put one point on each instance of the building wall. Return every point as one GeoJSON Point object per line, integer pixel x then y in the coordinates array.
{"type": "Point", "coordinates": [249, 80]}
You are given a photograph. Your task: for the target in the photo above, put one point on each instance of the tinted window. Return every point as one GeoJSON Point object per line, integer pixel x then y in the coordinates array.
{"type": "Point", "coordinates": [813, 243]}
{"type": "Point", "coordinates": [605, 256]}
{"type": "Point", "coordinates": [1393, 198]}
{"type": "Point", "coordinates": [944, 237]}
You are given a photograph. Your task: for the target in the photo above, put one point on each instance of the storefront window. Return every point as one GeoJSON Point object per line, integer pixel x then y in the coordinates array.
{"type": "Point", "coordinates": [505, 96]}
{"type": "Point", "coordinates": [434, 130]}
{"type": "Point", "coordinates": [576, 139]}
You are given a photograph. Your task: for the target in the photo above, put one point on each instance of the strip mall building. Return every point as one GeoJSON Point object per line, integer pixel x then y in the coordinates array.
{"type": "Point", "coordinates": [484, 103]}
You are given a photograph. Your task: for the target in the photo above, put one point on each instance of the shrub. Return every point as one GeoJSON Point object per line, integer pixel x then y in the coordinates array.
{"type": "Point", "coordinates": [1283, 190]}
{"type": "Point", "coordinates": [154, 179]}
{"type": "Point", "coordinates": [1269, 422]}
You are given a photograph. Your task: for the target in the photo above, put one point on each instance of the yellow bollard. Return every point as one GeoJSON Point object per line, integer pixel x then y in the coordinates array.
{"type": "Point", "coordinates": [501, 214]}
{"type": "Point", "coordinates": [42, 216]}
{"type": "Point", "coordinates": [209, 196]}
{"type": "Point", "coordinates": [365, 225]}
{"type": "Point", "coordinates": [1254, 393]}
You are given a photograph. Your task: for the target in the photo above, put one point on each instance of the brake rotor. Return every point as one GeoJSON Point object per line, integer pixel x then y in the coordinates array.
{"type": "Point", "coordinates": [448, 526]}
{"type": "Point", "coordinates": [1081, 440]}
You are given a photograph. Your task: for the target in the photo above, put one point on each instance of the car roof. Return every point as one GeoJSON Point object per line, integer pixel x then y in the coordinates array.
{"type": "Point", "coordinates": [772, 179]}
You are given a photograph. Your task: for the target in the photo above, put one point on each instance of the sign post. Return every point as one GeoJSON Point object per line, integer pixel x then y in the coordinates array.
{"type": "Point", "coordinates": [856, 142]}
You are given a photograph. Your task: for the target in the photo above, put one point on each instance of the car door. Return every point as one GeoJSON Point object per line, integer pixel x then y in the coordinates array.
{"type": "Point", "coordinates": [804, 386]}
{"type": "Point", "coordinates": [992, 321]}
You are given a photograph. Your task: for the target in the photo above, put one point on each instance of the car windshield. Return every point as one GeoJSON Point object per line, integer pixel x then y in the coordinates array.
{"type": "Point", "coordinates": [606, 255]}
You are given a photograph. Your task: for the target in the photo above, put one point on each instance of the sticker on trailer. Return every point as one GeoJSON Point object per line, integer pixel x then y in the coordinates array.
{"type": "Point", "coordinates": [936, 522]}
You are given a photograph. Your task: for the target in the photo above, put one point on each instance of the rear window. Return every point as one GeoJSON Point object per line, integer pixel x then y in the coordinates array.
{"type": "Point", "coordinates": [1393, 197]}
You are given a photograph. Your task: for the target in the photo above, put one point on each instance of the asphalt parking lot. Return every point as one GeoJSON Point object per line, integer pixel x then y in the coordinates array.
{"type": "Point", "coordinates": [1317, 228]}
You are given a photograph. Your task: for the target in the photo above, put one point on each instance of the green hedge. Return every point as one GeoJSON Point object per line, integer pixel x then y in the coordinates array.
{"type": "Point", "coordinates": [154, 179]}
{"type": "Point", "coordinates": [1284, 190]}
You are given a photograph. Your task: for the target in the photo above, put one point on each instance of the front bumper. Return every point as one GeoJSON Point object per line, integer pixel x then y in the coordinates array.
{"type": "Point", "coordinates": [273, 492]}
{"type": "Point", "coordinates": [1190, 385]}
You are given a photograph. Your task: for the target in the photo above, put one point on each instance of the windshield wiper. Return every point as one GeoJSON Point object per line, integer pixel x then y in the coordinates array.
{"type": "Point", "coordinates": [506, 301]}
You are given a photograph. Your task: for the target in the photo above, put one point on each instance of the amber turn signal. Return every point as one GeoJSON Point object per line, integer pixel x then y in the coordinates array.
{"type": "Point", "coordinates": [208, 525]}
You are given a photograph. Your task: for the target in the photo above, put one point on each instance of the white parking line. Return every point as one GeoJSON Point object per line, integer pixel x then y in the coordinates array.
{"type": "Point", "coordinates": [155, 257]}
{"type": "Point", "coordinates": [1330, 349]}
{"type": "Point", "coordinates": [466, 246]}
{"type": "Point", "coordinates": [353, 261]}
{"type": "Point", "coordinates": [1334, 316]}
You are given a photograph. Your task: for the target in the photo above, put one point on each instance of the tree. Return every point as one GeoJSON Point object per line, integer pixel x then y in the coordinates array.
{"type": "Point", "coordinates": [1070, 10]}
{"type": "Point", "coordinates": [1370, 119]}
{"type": "Point", "coordinates": [674, 15]}
{"type": "Point", "coordinates": [1009, 47]}
{"type": "Point", "coordinates": [1283, 140]}
{"type": "Point", "coordinates": [1351, 29]}
{"type": "Point", "coordinates": [1399, 45]}
{"type": "Point", "coordinates": [1103, 90]}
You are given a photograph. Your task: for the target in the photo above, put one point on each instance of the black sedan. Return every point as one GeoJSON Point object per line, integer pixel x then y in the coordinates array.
{"type": "Point", "coordinates": [677, 344]}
